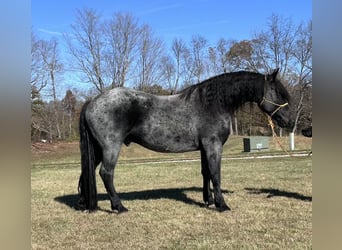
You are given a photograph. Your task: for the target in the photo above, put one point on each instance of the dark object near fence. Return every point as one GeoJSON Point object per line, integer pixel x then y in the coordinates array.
{"type": "Point", "coordinates": [307, 132]}
{"type": "Point", "coordinates": [198, 118]}
{"type": "Point", "coordinates": [255, 143]}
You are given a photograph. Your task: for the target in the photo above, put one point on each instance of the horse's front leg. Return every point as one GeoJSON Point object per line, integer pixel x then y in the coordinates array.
{"type": "Point", "coordinates": [207, 195]}
{"type": "Point", "coordinates": [213, 151]}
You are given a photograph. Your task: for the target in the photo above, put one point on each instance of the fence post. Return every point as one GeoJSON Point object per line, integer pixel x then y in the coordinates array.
{"type": "Point", "coordinates": [292, 143]}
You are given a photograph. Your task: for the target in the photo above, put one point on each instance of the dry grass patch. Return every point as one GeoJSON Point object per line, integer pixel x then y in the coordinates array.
{"type": "Point", "coordinates": [270, 201]}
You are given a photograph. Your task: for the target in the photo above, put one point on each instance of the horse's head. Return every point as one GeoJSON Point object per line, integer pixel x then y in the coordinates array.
{"type": "Point", "coordinates": [276, 101]}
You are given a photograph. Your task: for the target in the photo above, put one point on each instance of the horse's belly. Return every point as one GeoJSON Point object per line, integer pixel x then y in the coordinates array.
{"type": "Point", "coordinates": [166, 139]}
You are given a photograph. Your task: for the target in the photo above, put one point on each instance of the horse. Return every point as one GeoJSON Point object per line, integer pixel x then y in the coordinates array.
{"type": "Point", "coordinates": [195, 119]}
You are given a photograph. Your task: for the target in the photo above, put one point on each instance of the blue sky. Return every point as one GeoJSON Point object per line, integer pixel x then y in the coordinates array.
{"type": "Point", "coordinates": [171, 19]}
{"type": "Point", "coordinates": [175, 18]}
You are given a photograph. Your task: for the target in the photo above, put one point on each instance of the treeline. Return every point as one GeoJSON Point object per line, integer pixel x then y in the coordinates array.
{"type": "Point", "coordinates": [120, 51]}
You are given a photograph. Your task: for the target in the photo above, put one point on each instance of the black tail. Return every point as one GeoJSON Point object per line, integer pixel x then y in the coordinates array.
{"type": "Point", "coordinates": [87, 182]}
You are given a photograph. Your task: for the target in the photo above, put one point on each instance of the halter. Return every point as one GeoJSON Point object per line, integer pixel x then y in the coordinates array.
{"type": "Point", "coordinates": [280, 106]}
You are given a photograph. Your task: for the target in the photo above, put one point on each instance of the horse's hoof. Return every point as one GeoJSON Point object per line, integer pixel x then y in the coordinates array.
{"type": "Point", "coordinates": [209, 203]}
{"type": "Point", "coordinates": [120, 209]}
{"type": "Point", "coordinates": [89, 211]}
{"type": "Point", "coordinates": [81, 205]}
{"type": "Point", "coordinates": [223, 208]}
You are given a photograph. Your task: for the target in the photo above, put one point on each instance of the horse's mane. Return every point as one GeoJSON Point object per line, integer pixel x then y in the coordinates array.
{"type": "Point", "coordinates": [225, 89]}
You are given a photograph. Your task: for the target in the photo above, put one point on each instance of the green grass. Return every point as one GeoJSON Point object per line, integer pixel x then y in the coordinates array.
{"type": "Point", "coordinates": [270, 201]}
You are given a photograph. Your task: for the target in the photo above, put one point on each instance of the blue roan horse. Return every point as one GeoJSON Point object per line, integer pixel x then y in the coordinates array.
{"type": "Point", "coordinates": [197, 118]}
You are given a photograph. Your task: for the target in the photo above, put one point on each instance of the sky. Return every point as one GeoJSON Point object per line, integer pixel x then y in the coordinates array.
{"type": "Point", "coordinates": [171, 19]}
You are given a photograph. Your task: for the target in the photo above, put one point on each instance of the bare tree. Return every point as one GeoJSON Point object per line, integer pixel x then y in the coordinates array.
{"type": "Point", "coordinates": [87, 46]}
{"type": "Point", "coordinates": [198, 48]}
{"type": "Point", "coordinates": [113, 51]}
{"type": "Point", "coordinates": [173, 65]}
{"type": "Point", "coordinates": [45, 68]}
{"type": "Point", "coordinates": [273, 47]}
{"type": "Point", "coordinates": [169, 73]}
{"type": "Point", "coordinates": [39, 80]}
{"type": "Point", "coordinates": [150, 56]}
{"type": "Point", "coordinates": [178, 50]}
{"type": "Point", "coordinates": [51, 60]}
{"type": "Point", "coordinates": [123, 37]}
{"type": "Point", "coordinates": [213, 59]}
{"type": "Point", "coordinates": [188, 66]}
{"type": "Point", "coordinates": [38, 68]}
{"type": "Point", "coordinates": [69, 105]}
{"type": "Point", "coordinates": [302, 53]}
{"type": "Point", "coordinates": [219, 57]}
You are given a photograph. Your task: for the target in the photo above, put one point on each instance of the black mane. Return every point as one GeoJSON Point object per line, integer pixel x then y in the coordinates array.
{"type": "Point", "coordinates": [228, 90]}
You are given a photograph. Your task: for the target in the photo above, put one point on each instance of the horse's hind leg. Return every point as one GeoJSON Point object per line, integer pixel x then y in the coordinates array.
{"type": "Point", "coordinates": [110, 157]}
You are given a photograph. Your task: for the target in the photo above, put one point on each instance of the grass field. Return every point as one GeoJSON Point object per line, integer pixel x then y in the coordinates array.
{"type": "Point", "coordinates": [271, 201]}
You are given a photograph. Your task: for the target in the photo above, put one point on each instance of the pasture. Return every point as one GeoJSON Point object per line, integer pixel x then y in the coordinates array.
{"type": "Point", "coordinates": [271, 201]}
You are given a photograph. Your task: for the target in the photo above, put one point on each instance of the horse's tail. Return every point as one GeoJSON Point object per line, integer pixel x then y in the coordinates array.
{"type": "Point", "coordinates": [87, 181]}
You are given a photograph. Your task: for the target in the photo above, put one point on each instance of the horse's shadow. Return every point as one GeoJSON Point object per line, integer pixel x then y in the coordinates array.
{"type": "Point", "coordinates": [178, 194]}
{"type": "Point", "coordinates": [276, 192]}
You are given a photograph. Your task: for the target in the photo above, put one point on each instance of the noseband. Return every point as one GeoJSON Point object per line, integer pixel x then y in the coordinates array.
{"type": "Point", "coordinates": [279, 106]}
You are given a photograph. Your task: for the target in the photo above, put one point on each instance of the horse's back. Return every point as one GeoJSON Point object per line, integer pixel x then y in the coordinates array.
{"type": "Point", "coordinates": [160, 123]}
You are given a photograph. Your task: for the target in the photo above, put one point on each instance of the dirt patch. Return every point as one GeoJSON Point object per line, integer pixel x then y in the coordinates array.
{"type": "Point", "coordinates": [42, 150]}
{"type": "Point", "coordinates": [40, 147]}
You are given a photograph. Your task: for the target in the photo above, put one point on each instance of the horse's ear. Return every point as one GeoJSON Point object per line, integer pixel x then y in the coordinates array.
{"type": "Point", "coordinates": [274, 74]}
{"type": "Point", "coordinates": [272, 77]}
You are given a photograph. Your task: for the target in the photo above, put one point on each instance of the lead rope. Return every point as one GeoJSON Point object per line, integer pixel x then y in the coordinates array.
{"type": "Point", "coordinates": [271, 124]}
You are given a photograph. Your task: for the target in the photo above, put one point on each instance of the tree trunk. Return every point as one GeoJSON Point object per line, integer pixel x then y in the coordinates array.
{"type": "Point", "coordinates": [298, 111]}
{"type": "Point", "coordinates": [55, 108]}
{"type": "Point", "coordinates": [70, 123]}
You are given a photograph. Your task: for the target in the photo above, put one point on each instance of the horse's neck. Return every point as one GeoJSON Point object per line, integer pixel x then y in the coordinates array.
{"type": "Point", "coordinates": [243, 92]}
